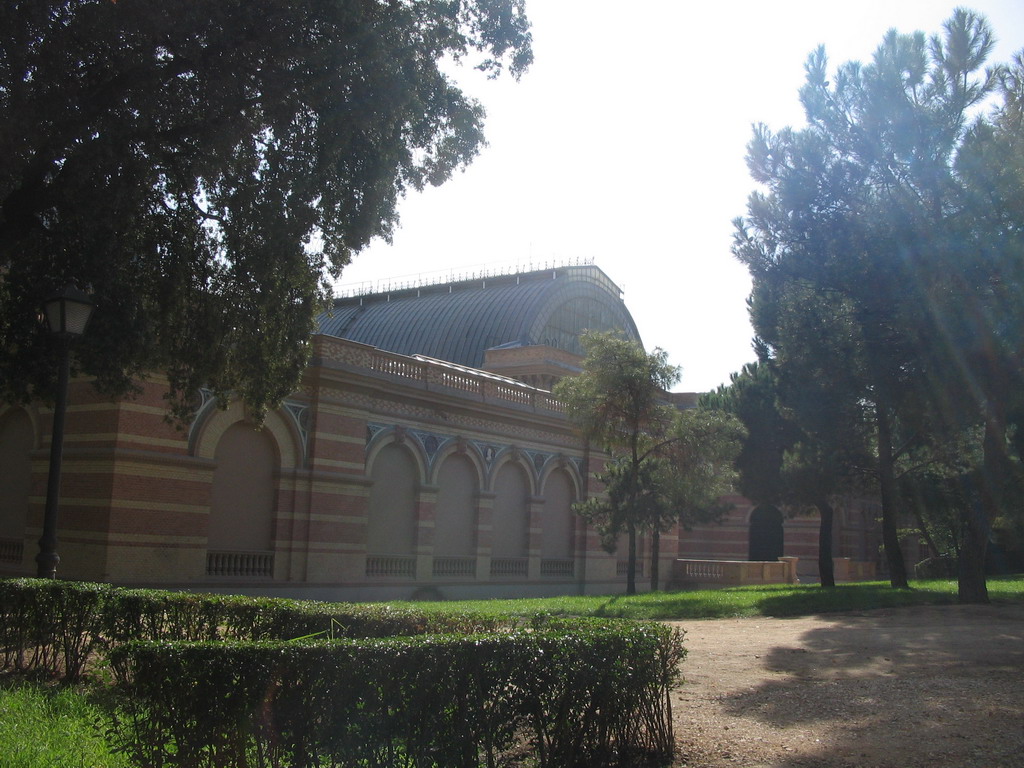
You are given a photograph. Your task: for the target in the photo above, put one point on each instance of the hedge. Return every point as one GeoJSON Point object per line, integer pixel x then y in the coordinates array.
{"type": "Point", "coordinates": [593, 695]}
{"type": "Point", "coordinates": [225, 681]}
{"type": "Point", "coordinates": [55, 626]}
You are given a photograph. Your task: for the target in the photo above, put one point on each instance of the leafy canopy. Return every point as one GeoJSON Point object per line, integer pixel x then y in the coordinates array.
{"type": "Point", "coordinates": [885, 249]}
{"type": "Point", "coordinates": [205, 168]}
{"type": "Point", "coordinates": [664, 466]}
{"type": "Point", "coordinates": [619, 398]}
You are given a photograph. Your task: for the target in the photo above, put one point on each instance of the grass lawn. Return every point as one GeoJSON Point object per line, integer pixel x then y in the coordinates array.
{"type": "Point", "coordinates": [46, 726]}
{"type": "Point", "coordinates": [769, 600]}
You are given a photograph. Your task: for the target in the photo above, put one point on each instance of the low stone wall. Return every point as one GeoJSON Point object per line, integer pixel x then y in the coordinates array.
{"type": "Point", "coordinates": [695, 574]}
{"type": "Point", "coordinates": [708, 574]}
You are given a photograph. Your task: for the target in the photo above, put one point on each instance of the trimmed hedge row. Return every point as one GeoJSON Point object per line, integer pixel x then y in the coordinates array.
{"type": "Point", "coordinates": [55, 626]}
{"type": "Point", "coordinates": [211, 681]}
{"type": "Point", "coordinates": [588, 693]}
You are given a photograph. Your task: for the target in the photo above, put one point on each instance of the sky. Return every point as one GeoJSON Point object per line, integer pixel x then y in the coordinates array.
{"type": "Point", "coordinates": [624, 145]}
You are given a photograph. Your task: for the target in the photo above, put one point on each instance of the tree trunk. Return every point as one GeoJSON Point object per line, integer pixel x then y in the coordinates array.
{"type": "Point", "coordinates": [631, 559]}
{"type": "Point", "coordinates": [971, 586]}
{"type": "Point", "coordinates": [985, 506]}
{"type": "Point", "coordinates": [826, 570]}
{"type": "Point", "coordinates": [890, 501]}
{"type": "Point", "coordinates": [655, 557]}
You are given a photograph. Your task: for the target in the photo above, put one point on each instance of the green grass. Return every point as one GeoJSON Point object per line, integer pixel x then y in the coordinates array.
{"type": "Point", "coordinates": [50, 727]}
{"type": "Point", "coordinates": [769, 600]}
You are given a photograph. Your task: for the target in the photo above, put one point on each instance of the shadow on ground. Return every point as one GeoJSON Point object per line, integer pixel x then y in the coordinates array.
{"type": "Point", "coordinates": [936, 686]}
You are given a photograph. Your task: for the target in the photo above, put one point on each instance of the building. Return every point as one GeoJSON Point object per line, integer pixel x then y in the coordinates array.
{"type": "Point", "coordinates": [422, 455]}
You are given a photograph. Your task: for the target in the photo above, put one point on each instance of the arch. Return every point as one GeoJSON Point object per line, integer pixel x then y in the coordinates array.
{"type": "Point", "coordinates": [513, 456]}
{"type": "Point", "coordinates": [17, 439]}
{"type": "Point", "coordinates": [510, 522]}
{"type": "Point", "coordinates": [281, 429]}
{"type": "Point", "coordinates": [558, 525]}
{"type": "Point", "coordinates": [391, 511]}
{"type": "Point", "coordinates": [243, 494]}
{"type": "Point", "coordinates": [766, 536]}
{"type": "Point", "coordinates": [457, 446]}
{"type": "Point", "coordinates": [397, 436]}
{"type": "Point", "coordinates": [571, 470]}
{"type": "Point", "coordinates": [455, 518]}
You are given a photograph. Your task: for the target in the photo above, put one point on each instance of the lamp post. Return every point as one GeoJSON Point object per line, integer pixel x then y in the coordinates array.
{"type": "Point", "coordinates": [66, 313]}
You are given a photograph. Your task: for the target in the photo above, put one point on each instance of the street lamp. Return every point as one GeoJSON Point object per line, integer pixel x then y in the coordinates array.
{"type": "Point", "coordinates": [66, 313]}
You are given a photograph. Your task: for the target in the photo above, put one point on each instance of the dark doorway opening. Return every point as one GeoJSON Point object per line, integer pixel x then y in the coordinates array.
{"type": "Point", "coordinates": [766, 534]}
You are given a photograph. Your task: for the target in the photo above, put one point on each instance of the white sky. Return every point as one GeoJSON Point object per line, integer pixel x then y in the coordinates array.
{"type": "Point", "coordinates": [625, 144]}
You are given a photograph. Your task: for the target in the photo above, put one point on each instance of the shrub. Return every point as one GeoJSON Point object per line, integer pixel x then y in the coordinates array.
{"type": "Point", "coordinates": [54, 627]}
{"type": "Point", "coordinates": [585, 693]}
{"type": "Point", "coordinates": [941, 567]}
{"type": "Point", "coordinates": [218, 681]}
{"type": "Point", "coordinates": [50, 626]}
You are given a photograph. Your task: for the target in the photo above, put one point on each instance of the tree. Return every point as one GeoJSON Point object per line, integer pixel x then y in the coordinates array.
{"type": "Point", "coordinates": [752, 397]}
{"type": "Point", "coordinates": [618, 401]}
{"type": "Point", "coordinates": [666, 467]}
{"type": "Point", "coordinates": [802, 446]}
{"type": "Point", "coordinates": [870, 210]}
{"type": "Point", "coordinates": [697, 468]}
{"type": "Point", "coordinates": [205, 169]}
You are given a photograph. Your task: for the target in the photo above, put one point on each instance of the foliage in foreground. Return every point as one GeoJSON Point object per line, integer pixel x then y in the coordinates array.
{"type": "Point", "coordinates": [593, 695]}
{"type": "Point", "coordinates": [207, 168]}
{"type": "Point", "coordinates": [213, 680]}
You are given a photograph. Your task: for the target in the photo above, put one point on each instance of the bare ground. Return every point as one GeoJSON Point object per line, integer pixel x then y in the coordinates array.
{"type": "Point", "coordinates": [892, 688]}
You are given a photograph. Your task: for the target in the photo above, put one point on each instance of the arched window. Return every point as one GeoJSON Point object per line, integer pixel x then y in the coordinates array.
{"type": "Point", "coordinates": [16, 441]}
{"type": "Point", "coordinates": [766, 538]}
{"type": "Point", "coordinates": [391, 523]}
{"type": "Point", "coordinates": [511, 520]}
{"type": "Point", "coordinates": [244, 493]}
{"type": "Point", "coordinates": [455, 518]}
{"type": "Point", "coordinates": [558, 523]}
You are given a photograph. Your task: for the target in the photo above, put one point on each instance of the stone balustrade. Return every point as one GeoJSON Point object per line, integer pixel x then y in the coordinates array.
{"type": "Point", "coordinates": [562, 568]}
{"type": "Point", "coordinates": [734, 572]}
{"type": "Point", "coordinates": [242, 565]}
{"type": "Point", "coordinates": [454, 567]}
{"type": "Point", "coordinates": [12, 550]}
{"type": "Point", "coordinates": [509, 567]}
{"type": "Point", "coordinates": [487, 386]}
{"type": "Point", "coordinates": [391, 565]}
{"type": "Point", "coordinates": [714, 573]}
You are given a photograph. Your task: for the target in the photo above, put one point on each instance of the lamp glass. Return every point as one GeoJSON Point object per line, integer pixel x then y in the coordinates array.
{"type": "Point", "coordinates": [54, 310]}
{"type": "Point", "coordinates": [68, 312]}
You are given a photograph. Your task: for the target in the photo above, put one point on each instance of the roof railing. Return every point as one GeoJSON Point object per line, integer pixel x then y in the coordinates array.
{"type": "Point", "coordinates": [471, 274]}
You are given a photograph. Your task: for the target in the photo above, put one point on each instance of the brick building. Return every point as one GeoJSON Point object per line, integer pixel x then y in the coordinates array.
{"type": "Point", "coordinates": [421, 455]}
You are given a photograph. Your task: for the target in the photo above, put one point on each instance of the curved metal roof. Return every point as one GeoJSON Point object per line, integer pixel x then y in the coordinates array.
{"type": "Point", "coordinates": [457, 321]}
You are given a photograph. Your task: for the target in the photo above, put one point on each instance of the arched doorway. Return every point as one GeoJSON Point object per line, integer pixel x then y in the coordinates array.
{"type": "Point", "coordinates": [558, 522]}
{"type": "Point", "coordinates": [243, 504]}
{"type": "Point", "coordinates": [766, 539]}
{"type": "Point", "coordinates": [510, 523]}
{"type": "Point", "coordinates": [455, 517]}
{"type": "Point", "coordinates": [391, 512]}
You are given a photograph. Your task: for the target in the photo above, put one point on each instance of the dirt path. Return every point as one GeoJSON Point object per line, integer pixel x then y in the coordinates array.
{"type": "Point", "coordinates": [900, 688]}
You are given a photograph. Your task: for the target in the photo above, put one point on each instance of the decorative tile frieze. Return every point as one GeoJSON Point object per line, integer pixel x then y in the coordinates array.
{"type": "Point", "coordinates": [206, 404]}
{"type": "Point", "coordinates": [488, 452]}
{"type": "Point", "coordinates": [302, 416]}
{"type": "Point", "coordinates": [372, 430]}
